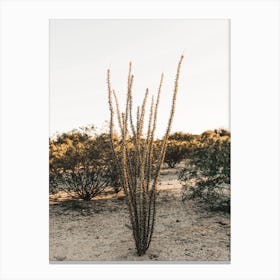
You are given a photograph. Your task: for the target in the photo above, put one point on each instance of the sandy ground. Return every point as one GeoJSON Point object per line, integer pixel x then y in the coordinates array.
{"type": "Point", "coordinates": [99, 230]}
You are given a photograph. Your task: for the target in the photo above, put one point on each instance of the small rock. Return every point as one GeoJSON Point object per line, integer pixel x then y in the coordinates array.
{"type": "Point", "coordinates": [153, 256]}
{"type": "Point", "coordinates": [177, 221]}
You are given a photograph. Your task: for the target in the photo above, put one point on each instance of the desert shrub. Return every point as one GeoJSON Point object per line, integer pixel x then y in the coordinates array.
{"type": "Point", "coordinates": [182, 136]}
{"type": "Point", "coordinates": [176, 151]}
{"type": "Point", "coordinates": [206, 175]}
{"type": "Point", "coordinates": [77, 165]}
{"type": "Point", "coordinates": [222, 132]}
{"type": "Point", "coordinates": [104, 144]}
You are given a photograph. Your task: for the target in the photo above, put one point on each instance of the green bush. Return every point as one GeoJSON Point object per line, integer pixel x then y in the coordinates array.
{"type": "Point", "coordinates": [206, 175]}
{"type": "Point", "coordinates": [104, 145]}
{"type": "Point", "coordinates": [176, 151]}
{"type": "Point", "coordinates": [77, 165]}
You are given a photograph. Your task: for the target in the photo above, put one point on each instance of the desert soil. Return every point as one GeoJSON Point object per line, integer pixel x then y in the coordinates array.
{"type": "Point", "coordinates": [99, 230]}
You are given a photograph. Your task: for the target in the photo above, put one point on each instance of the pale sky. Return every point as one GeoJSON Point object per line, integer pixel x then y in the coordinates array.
{"type": "Point", "coordinates": [82, 50]}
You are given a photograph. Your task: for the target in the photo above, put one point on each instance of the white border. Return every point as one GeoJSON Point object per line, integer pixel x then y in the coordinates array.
{"type": "Point", "coordinates": [254, 124]}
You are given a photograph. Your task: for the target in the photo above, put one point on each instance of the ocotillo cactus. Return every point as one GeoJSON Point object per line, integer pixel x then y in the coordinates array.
{"type": "Point", "coordinates": [137, 168]}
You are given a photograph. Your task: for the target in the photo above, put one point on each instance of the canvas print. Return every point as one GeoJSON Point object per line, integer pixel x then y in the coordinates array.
{"type": "Point", "coordinates": [139, 145]}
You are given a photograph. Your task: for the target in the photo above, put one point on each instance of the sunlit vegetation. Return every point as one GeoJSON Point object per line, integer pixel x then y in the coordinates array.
{"type": "Point", "coordinates": [206, 175]}
{"type": "Point", "coordinates": [81, 164]}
